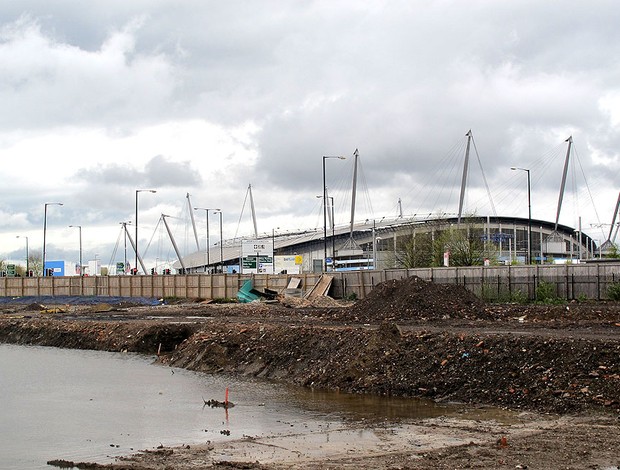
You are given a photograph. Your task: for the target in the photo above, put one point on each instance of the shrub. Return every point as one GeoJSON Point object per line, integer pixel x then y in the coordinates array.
{"type": "Point", "coordinates": [545, 292]}
{"type": "Point", "coordinates": [352, 296]}
{"type": "Point", "coordinates": [519, 297]}
{"type": "Point", "coordinates": [613, 291]}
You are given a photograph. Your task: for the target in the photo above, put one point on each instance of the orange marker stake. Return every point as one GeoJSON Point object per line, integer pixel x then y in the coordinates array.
{"type": "Point", "coordinates": [226, 399]}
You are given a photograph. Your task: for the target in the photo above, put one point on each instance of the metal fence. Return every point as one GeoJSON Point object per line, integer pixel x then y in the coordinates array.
{"type": "Point", "coordinates": [502, 283]}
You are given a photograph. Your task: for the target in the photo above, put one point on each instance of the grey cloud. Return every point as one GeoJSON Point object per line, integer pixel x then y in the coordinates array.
{"type": "Point", "coordinates": [402, 82]}
{"type": "Point", "coordinates": [158, 171]}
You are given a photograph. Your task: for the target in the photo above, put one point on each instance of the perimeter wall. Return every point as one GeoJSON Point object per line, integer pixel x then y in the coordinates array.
{"type": "Point", "coordinates": [570, 281]}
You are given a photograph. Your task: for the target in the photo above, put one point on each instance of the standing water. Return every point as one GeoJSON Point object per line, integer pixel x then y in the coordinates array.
{"type": "Point", "coordinates": [92, 406]}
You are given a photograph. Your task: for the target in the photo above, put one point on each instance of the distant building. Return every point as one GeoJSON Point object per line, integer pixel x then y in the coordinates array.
{"type": "Point", "coordinates": [62, 268]}
{"type": "Point", "coordinates": [357, 249]}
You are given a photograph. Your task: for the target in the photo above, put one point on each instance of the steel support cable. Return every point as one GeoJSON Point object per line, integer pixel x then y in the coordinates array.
{"type": "Point", "coordinates": [365, 192]}
{"type": "Point", "coordinates": [447, 158]}
{"type": "Point", "coordinates": [118, 239]}
{"type": "Point", "coordinates": [143, 255]}
{"type": "Point", "coordinates": [598, 219]}
{"type": "Point", "coordinates": [449, 161]}
{"type": "Point", "coordinates": [241, 214]}
{"type": "Point", "coordinates": [484, 178]}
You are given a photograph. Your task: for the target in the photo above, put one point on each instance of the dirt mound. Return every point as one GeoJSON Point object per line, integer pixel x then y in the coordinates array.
{"type": "Point", "coordinates": [414, 298]}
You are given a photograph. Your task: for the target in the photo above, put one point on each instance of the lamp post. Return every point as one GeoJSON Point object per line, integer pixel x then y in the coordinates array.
{"type": "Point", "coordinates": [79, 227]}
{"type": "Point", "coordinates": [529, 216]}
{"type": "Point", "coordinates": [331, 202]}
{"type": "Point", "coordinates": [27, 255]}
{"type": "Point", "coordinates": [124, 224]}
{"type": "Point", "coordinates": [45, 229]}
{"type": "Point", "coordinates": [325, 157]}
{"type": "Point", "coordinates": [218, 211]}
{"type": "Point", "coordinates": [333, 224]}
{"type": "Point", "coordinates": [273, 249]}
{"type": "Point", "coordinates": [206, 209]}
{"type": "Point", "coordinates": [136, 242]}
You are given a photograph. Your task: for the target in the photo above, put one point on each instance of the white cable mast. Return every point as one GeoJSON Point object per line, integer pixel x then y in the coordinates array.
{"type": "Point", "coordinates": [563, 185]}
{"type": "Point", "coordinates": [191, 215]}
{"type": "Point", "coordinates": [253, 211]}
{"type": "Point", "coordinates": [464, 178]}
{"type": "Point", "coordinates": [174, 244]}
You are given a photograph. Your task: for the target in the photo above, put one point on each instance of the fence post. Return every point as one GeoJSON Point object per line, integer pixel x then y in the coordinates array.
{"type": "Point", "coordinates": [529, 295]}
{"type": "Point", "coordinates": [598, 282]}
{"type": "Point", "coordinates": [498, 286]}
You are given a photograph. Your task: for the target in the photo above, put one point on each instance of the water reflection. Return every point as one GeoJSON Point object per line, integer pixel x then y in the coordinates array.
{"type": "Point", "coordinates": [92, 406]}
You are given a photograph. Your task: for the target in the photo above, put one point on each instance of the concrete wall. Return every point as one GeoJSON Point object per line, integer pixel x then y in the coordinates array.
{"type": "Point", "coordinates": [571, 281]}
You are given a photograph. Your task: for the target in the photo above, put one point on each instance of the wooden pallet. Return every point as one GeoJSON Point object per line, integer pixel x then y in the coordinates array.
{"type": "Point", "coordinates": [321, 288]}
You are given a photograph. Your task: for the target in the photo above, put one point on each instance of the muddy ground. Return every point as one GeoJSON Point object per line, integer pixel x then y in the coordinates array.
{"type": "Point", "coordinates": [557, 367]}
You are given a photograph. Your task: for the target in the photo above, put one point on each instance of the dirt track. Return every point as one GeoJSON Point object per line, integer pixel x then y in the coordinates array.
{"type": "Point", "coordinates": [408, 339]}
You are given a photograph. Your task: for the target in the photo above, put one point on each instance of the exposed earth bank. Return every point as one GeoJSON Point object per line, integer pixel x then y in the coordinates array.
{"type": "Point", "coordinates": [408, 338]}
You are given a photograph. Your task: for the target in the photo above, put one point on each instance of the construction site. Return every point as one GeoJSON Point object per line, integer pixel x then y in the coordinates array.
{"type": "Point", "coordinates": [554, 367]}
{"type": "Point", "coordinates": [520, 344]}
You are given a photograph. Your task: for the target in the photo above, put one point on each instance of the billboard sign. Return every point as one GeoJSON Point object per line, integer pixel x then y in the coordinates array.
{"type": "Point", "coordinates": [257, 257]}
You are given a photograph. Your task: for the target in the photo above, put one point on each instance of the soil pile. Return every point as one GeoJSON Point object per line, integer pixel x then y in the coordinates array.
{"type": "Point", "coordinates": [414, 298]}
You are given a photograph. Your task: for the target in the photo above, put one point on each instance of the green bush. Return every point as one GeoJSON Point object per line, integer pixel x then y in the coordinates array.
{"type": "Point", "coordinates": [545, 292]}
{"type": "Point", "coordinates": [352, 296]}
{"type": "Point", "coordinates": [613, 291]}
{"type": "Point", "coordinates": [519, 297]}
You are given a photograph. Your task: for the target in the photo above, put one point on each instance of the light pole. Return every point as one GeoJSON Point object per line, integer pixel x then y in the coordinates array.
{"type": "Point", "coordinates": [333, 224]}
{"type": "Point", "coordinates": [136, 242]}
{"type": "Point", "coordinates": [206, 209]}
{"type": "Point", "coordinates": [325, 157]}
{"type": "Point", "coordinates": [529, 216]}
{"type": "Point", "coordinates": [79, 227]}
{"type": "Point", "coordinates": [218, 211]}
{"type": "Point", "coordinates": [331, 202]}
{"type": "Point", "coordinates": [124, 224]}
{"type": "Point", "coordinates": [27, 255]}
{"type": "Point", "coordinates": [45, 229]}
{"type": "Point", "coordinates": [273, 249]}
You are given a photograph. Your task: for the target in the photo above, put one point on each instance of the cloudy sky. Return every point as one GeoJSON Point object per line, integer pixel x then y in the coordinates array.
{"type": "Point", "coordinates": [101, 98]}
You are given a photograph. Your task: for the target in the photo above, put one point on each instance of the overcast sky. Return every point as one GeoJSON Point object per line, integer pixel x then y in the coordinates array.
{"type": "Point", "coordinates": [101, 98]}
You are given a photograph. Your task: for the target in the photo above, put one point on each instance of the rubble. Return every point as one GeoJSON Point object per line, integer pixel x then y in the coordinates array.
{"type": "Point", "coordinates": [416, 298]}
{"type": "Point", "coordinates": [409, 338]}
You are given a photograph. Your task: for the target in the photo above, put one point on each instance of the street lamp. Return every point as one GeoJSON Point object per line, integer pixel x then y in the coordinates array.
{"type": "Point", "coordinates": [331, 202]}
{"type": "Point", "coordinates": [136, 242]}
{"type": "Point", "coordinates": [27, 255]}
{"type": "Point", "coordinates": [333, 224]}
{"type": "Point", "coordinates": [45, 229]}
{"type": "Point", "coordinates": [325, 157]}
{"type": "Point", "coordinates": [273, 248]}
{"type": "Point", "coordinates": [218, 211]}
{"type": "Point", "coordinates": [529, 216]}
{"type": "Point", "coordinates": [206, 209]}
{"type": "Point", "coordinates": [124, 224]}
{"type": "Point", "coordinates": [79, 227]}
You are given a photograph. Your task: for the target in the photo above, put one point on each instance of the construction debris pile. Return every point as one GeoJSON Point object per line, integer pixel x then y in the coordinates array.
{"type": "Point", "coordinates": [409, 337]}
{"type": "Point", "coordinates": [414, 298]}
